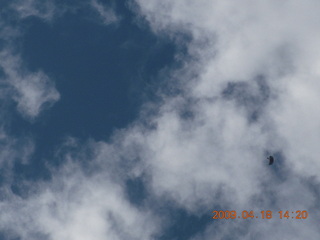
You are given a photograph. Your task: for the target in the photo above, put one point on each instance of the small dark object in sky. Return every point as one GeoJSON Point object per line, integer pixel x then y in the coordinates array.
{"type": "Point", "coordinates": [271, 160]}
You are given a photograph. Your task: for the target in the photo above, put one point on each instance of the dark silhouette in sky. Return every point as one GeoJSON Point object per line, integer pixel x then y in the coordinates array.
{"type": "Point", "coordinates": [271, 160]}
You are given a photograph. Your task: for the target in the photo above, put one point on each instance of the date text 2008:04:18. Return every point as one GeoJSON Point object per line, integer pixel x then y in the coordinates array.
{"type": "Point", "coordinates": [262, 215]}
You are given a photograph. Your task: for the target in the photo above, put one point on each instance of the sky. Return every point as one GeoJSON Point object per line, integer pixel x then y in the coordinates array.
{"type": "Point", "coordinates": [136, 119]}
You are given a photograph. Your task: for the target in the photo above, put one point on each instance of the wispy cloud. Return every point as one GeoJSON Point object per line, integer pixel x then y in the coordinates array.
{"type": "Point", "coordinates": [41, 9]}
{"type": "Point", "coordinates": [107, 14]}
{"type": "Point", "coordinates": [32, 91]}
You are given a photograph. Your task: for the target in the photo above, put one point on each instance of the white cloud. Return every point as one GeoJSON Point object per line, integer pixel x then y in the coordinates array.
{"type": "Point", "coordinates": [221, 147]}
{"type": "Point", "coordinates": [32, 91]}
{"type": "Point", "coordinates": [44, 9]}
{"type": "Point", "coordinates": [12, 151]}
{"type": "Point", "coordinates": [76, 206]}
{"type": "Point", "coordinates": [107, 14]}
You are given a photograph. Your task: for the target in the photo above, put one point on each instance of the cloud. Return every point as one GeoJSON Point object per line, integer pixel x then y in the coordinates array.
{"type": "Point", "coordinates": [75, 206]}
{"type": "Point", "coordinates": [33, 91]}
{"type": "Point", "coordinates": [13, 150]}
{"type": "Point", "coordinates": [107, 14]}
{"type": "Point", "coordinates": [253, 89]}
{"type": "Point", "coordinates": [41, 9]}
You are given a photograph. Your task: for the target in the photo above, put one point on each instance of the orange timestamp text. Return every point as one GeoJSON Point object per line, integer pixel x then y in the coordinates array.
{"type": "Point", "coordinates": [260, 215]}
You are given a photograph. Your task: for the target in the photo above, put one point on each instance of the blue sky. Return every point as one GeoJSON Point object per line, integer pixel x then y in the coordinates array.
{"type": "Point", "coordinates": [135, 119]}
